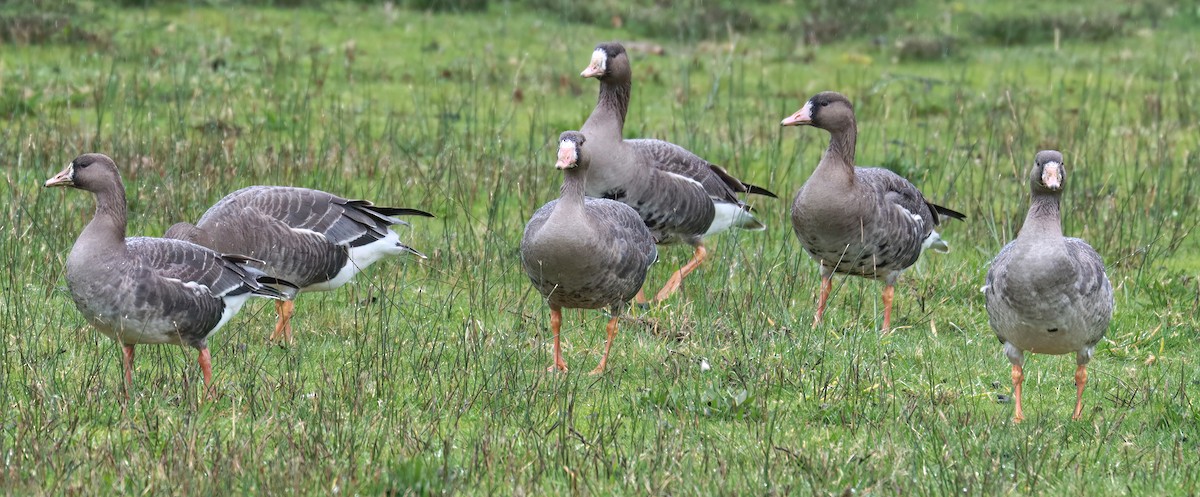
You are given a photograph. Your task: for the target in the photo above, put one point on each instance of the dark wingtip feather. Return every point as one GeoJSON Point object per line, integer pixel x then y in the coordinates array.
{"type": "Point", "coordinates": [400, 211]}
{"type": "Point", "coordinates": [758, 190]}
{"type": "Point", "coordinates": [949, 212]}
{"type": "Point", "coordinates": [276, 288]}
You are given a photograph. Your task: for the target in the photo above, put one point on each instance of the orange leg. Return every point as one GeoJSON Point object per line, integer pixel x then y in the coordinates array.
{"type": "Point", "coordinates": [677, 278]}
{"type": "Point", "coordinates": [205, 361]}
{"type": "Point", "coordinates": [889, 292]}
{"type": "Point", "coordinates": [127, 360]}
{"type": "Point", "coordinates": [641, 297]}
{"type": "Point", "coordinates": [612, 333]}
{"type": "Point", "coordinates": [1080, 382]}
{"type": "Point", "coordinates": [283, 328]}
{"type": "Point", "coordinates": [826, 286]}
{"type": "Point", "coordinates": [1017, 378]}
{"type": "Point", "coordinates": [556, 325]}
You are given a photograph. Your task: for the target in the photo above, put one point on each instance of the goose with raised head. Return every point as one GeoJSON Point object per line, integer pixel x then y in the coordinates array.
{"type": "Point", "coordinates": [315, 239]}
{"type": "Point", "coordinates": [681, 197]}
{"type": "Point", "coordinates": [151, 290]}
{"type": "Point", "coordinates": [861, 221]}
{"type": "Point", "coordinates": [585, 253]}
{"type": "Point", "coordinates": [1047, 293]}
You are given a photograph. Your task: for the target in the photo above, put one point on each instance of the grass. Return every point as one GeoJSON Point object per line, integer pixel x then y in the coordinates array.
{"type": "Point", "coordinates": [426, 377]}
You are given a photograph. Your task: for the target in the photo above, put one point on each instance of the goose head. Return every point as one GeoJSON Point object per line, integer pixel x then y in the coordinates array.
{"type": "Point", "coordinates": [569, 145]}
{"type": "Point", "coordinates": [1048, 173]}
{"type": "Point", "coordinates": [609, 63]}
{"type": "Point", "coordinates": [89, 172]}
{"type": "Point", "coordinates": [829, 110]}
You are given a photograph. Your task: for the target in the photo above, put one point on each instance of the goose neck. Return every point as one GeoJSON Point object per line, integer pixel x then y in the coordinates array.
{"type": "Point", "coordinates": [107, 228]}
{"type": "Point", "coordinates": [1044, 218]}
{"type": "Point", "coordinates": [611, 108]}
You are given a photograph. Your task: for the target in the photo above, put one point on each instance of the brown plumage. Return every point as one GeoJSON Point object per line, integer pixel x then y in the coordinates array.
{"type": "Point", "coordinates": [315, 239]}
{"type": "Point", "coordinates": [151, 290]}
{"type": "Point", "coordinates": [1047, 293]}
{"type": "Point", "coordinates": [681, 197]}
{"type": "Point", "coordinates": [862, 221]}
{"type": "Point", "coordinates": [585, 253]}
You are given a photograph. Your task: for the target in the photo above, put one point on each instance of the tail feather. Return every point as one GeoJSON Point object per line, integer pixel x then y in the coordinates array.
{"type": "Point", "coordinates": [730, 215]}
{"type": "Point", "coordinates": [945, 211]}
{"type": "Point", "coordinates": [400, 211]}
{"type": "Point", "coordinates": [758, 190]}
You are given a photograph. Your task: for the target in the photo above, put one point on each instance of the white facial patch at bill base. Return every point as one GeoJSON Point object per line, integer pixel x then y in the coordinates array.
{"type": "Point", "coordinates": [598, 66]}
{"type": "Point", "coordinates": [1052, 175]}
{"type": "Point", "coordinates": [567, 155]}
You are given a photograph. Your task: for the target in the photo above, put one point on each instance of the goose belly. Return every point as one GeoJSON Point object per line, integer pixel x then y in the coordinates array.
{"type": "Point", "coordinates": [856, 255]}
{"type": "Point", "coordinates": [568, 275]}
{"type": "Point", "coordinates": [1041, 324]}
{"type": "Point", "coordinates": [153, 323]}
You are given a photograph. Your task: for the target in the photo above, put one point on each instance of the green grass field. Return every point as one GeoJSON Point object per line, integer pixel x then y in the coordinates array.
{"type": "Point", "coordinates": [427, 377]}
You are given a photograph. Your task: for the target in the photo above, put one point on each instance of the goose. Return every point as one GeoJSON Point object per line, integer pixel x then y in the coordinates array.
{"type": "Point", "coordinates": [681, 197]}
{"type": "Point", "coordinates": [1047, 293]}
{"type": "Point", "coordinates": [151, 290]}
{"type": "Point", "coordinates": [861, 221]}
{"type": "Point", "coordinates": [315, 239]}
{"type": "Point", "coordinates": [585, 253]}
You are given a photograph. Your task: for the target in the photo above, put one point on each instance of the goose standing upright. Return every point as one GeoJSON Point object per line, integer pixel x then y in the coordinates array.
{"type": "Point", "coordinates": [315, 239]}
{"type": "Point", "coordinates": [862, 221]}
{"type": "Point", "coordinates": [585, 253]}
{"type": "Point", "coordinates": [1047, 293]}
{"type": "Point", "coordinates": [151, 290]}
{"type": "Point", "coordinates": [681, 197]}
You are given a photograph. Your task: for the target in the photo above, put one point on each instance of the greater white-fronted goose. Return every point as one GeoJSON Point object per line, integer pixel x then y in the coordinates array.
{"type": "Point", "coordinates": [1047, 293]}
{"type": "Point", "coordinates": [681, 197]}
{"type": "Point", "coordinates": [862, 221]}
{"type": "Point", "coordinates": [151, 290]}
{"type": "Point", "coordinates": [585, 253]}
{"type": "Point", "coordinates": [314, 239]}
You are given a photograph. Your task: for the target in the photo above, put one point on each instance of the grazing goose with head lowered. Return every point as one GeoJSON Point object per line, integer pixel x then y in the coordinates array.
{"type": "Point", "coordinates": [681, 197]}
{"type": "Point", "coordinates": [1047, 293]}
{"type": "Point", "coordinates": [314, 239]}
{"type": "Point", "coordinates": [585, 253]}
{"type": "Point", "coordinates": [151, 290]}
{"type": "Point", "coordinates": [862, 221]}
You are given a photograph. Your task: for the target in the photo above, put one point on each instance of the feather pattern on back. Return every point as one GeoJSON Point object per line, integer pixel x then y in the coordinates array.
{"type": "Point", "coordinates": [305, 236]}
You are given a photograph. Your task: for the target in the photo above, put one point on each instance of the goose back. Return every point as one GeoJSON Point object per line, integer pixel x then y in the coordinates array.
{"type": "Point", "coordinates": [874, 230]}
{"type": "Point", "coordinates": [599, 260]}
{"type": "Point", "coordinates": [863, 221]}
{"type": "Point", "coordinates": [313, 238]}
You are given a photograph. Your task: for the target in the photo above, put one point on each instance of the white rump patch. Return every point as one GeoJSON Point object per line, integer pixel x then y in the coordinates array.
{"type": "Point", "coordinates": [232, 306]}
{"type": "Point", "coordinates": [731, 215]}
{"type": "Point", "coordinates": [934, 241]}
